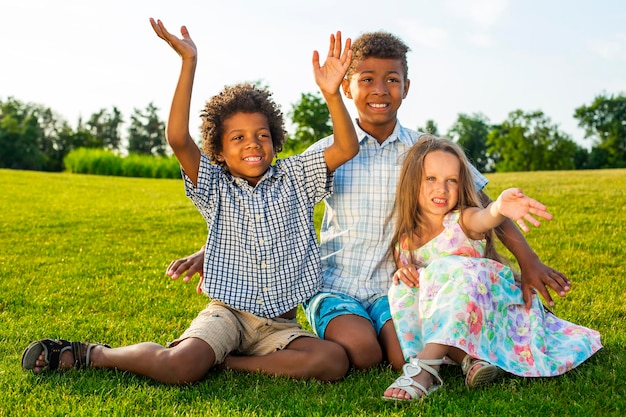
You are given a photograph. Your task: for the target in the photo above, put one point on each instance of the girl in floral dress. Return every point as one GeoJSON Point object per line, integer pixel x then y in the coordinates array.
{"type": "Point", "coordinates": [453, 300]}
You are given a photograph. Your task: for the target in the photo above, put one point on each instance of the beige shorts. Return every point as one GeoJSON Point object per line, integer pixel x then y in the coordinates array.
{"type": "Point", "coordinates": [228, 330]}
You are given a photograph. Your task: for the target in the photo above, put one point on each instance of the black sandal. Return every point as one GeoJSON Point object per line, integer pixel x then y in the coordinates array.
{"type": "Point", "coordinates": [53, 350]}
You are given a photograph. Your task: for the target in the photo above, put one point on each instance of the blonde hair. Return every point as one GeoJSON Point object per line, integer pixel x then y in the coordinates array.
{"type": "Point", "coordinates": [409, 219]}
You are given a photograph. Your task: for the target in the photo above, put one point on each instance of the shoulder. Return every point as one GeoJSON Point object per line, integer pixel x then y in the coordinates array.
{"type": "Point", "coordinates": [452, 218]}
{"type": "Point", "coordinates": [320, 145]}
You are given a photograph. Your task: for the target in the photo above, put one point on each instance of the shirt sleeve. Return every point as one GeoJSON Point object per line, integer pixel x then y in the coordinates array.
{"type": "Point", "coordinates": [310, 170]}
{"type": "Point", "coordinates": [479, 180]}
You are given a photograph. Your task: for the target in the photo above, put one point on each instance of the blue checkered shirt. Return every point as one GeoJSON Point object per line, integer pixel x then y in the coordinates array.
{"type": "Point", "coordinates": [354, 235]}
{"type": "Point", "coordinates": [262, 254]}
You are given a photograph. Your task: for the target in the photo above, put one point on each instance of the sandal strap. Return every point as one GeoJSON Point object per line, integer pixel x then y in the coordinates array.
{"type": "Point", "coordinates": [416, 366]}
{"type": "Point", "coordinates": [409, 385]}
{"type": "Point", "coordinates": [53, 350]}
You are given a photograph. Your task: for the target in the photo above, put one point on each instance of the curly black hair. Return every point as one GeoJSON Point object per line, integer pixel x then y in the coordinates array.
{"type": "Point", "coordinates": [378, 45]}
{"type": "Point", "coordinates": [245, 98]}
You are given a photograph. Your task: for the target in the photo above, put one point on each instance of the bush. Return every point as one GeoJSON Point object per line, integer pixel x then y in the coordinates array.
{"type": "Point", "coordinates": [103, 162]}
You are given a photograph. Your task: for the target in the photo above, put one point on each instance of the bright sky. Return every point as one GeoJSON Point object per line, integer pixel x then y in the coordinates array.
{"type": "Point", "coordinates": [467, 56]}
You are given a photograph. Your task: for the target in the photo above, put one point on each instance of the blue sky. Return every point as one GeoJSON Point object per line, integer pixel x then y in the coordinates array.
{"type": "Point", "coordinates": [487, 56]}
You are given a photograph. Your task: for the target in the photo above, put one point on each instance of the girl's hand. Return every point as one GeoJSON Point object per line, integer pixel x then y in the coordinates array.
{"type": "Point", "coordinates": [408, 274]}
{"type": "Point", "coordinates": [512, 203]}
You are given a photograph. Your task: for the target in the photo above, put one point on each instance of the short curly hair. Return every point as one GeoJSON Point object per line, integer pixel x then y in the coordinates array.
{"type": "Point", "coordinates": [244, 98]}
{"type": "Point", "coordinates": [378, 45]}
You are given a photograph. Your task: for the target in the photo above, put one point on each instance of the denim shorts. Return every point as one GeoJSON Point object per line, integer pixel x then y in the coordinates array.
{"type": "Point", "coordinates": [325, 306]}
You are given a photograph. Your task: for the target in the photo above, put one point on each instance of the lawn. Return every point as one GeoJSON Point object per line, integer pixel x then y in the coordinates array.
{"type": "Point", "coordinates": [83, 258]}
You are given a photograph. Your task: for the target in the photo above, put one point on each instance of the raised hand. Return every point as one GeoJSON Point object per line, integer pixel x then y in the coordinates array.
{"type": "Point", "coordinates": [184, 47]}
{"type": "Point", "coordinates": [329, 76]}
{"type": "Point", "coordinates": [512, 203]}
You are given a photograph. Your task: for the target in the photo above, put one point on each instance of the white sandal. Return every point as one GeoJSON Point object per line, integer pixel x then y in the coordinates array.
{"type": "Point", "coordinates": [482, 376]}
{"type": "Point", "coordinates": [413, 368]}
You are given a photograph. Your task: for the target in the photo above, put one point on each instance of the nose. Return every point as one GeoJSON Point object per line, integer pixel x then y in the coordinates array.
{"type": "Point", "coordinates": [253, 142]}
{"type": "Point", "coordinates": [380, 87]}
{"type": "Point", "coordinates": [442, 186]}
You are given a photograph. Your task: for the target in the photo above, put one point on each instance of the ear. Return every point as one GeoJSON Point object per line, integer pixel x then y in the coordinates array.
{"type": "Point", "coordinates": [345, 85]}
{"type": "Point", "coordinates": [219, 157]}
{"type": "Point", "coordinates": [407, 84]}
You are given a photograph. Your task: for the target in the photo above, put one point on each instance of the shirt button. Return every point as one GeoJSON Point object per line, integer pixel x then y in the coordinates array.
{"type": "Point", "coordinates": [261, 241]}
{"type": "Point", "coordinates": [263, 265]}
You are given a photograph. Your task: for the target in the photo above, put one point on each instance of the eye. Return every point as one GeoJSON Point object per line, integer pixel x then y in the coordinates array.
{"type": "Point", "coordinates": [366, 80]}
{"type": "Point", "coordinates": [393, 80]}
{"type": "Point", "coordinates": [238, 137]}
{"type": "Point", "coordinates": [430, 179]}
{"type": "Point", "coordinates": [452, 180]}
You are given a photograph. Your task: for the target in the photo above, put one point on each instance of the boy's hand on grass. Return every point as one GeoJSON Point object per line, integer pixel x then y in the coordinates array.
{"type": "Point", "coordinates": [188, 267]}
{"type": "Point", "coordinates": [539, 276]}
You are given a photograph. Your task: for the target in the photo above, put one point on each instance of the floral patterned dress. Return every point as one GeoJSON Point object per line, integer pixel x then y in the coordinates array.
{"type": "Point", "coordinates": [475, 304]}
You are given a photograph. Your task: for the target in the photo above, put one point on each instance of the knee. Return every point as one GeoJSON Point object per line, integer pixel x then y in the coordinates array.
{"type": "Point", "coordinates": [182, 369]}
{"type": "Point", "coordinates": [365, 355]}
{"type": "Point", "coordinates": [330, 364]}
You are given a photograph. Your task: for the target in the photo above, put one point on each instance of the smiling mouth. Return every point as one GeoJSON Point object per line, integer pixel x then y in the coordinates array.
{"type": "Point", "coordinates": [379, 105]}
{"type": "Point", "coordinates": [440, 200]}
{"type": "Point", "coordinates": [252, 158]}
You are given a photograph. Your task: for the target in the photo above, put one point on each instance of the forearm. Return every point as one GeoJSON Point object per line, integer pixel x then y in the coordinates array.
{"type": "Point", "coordinates": [515, 242]}
{"type": "Point", "coordinates": [177, 132]}
{"type": "Point", "coordinates": [345, 143]}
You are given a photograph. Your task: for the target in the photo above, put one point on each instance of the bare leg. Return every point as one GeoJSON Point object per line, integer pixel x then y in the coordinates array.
{"type": "Point", "coordinates": [187, 362]}
{"type": "Point", "coordinates": [304, 358]}
{"type": "Point", "coordinates": [430, 351]}
{"type": "Point", "coordinates": [391, 346]}
{"type": "Point", "coordinates": [358, 337]}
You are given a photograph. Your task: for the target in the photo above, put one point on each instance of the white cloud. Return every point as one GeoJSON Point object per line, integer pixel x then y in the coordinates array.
{"type": "Point", "coordinates": [484, 14]}
{"type": "Point", "coordinates": [420, 34]}
{"type": "Point", "coordinates": [611, 49]}
{"type": "Point", "coordinates": [483, 40]}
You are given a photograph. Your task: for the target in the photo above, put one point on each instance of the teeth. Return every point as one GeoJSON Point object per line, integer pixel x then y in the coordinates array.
{"type": "Point", "coordinates": [439, 200]}
{"type": "Point", "coordinates": [378, 106]}
{"type": "Point", "coordinates": [252, 158]}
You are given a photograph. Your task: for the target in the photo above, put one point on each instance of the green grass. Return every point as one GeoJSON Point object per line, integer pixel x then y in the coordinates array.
{"type": "Point", "coordinates": [83, 257]}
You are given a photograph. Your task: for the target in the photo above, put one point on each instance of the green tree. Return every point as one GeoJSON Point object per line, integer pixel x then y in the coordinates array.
{"type": "Point", "coordinates": [19, 137]}
{"type": "Point", "coordinates": [146, 134]}
{"type": "Point", "coordinates": [470, 132]}
{"type": "Point", "coordinates": [312, 119]}
{"type": "Point", "coordinates": [105, 127]}
{"type": "Point", "coordinates": [430, 128]}
{"type": "Point", "coordinates": [604, 120]}
{"type": "Point", "coordinates": [529, 142]}
{"type": "Point", "coordinates": [29, 136]}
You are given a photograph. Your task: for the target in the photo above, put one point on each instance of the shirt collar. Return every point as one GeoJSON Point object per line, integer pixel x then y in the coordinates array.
{"type": "Point", "coordinates": [399, 133]}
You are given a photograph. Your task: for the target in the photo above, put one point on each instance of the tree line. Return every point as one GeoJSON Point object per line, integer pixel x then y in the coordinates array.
{"type": "Point", "coordinates": [34, 137]}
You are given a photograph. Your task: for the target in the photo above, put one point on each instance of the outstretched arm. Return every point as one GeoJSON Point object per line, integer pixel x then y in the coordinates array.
{"type": "Point", "coordinates": [535, 274]}
{"type": "Point", "coordinates": [512, 204]}
{"type": "Point", "coordinates": [177, 132]}
{"type": "Point", "coordinates": [328, 77]}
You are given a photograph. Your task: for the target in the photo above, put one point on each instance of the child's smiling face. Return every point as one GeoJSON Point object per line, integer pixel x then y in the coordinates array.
{"type": "Point", "coordinates": [247, 147]}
